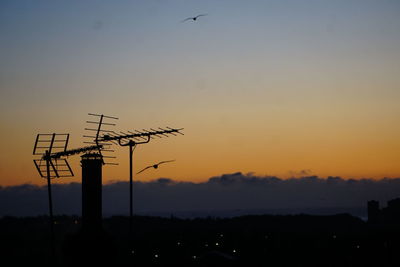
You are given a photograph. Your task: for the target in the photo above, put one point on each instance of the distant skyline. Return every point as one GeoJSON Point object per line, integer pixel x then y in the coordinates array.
{"type": "Point", "coordinates": [282, 88]}
{"type": "Point", "coordinates": [226, 195]}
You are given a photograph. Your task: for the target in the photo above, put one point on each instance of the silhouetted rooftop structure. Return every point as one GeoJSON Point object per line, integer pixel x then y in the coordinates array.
{"type": "Point", "coordinates": [92, 164]}
{"type": "Point", "coordinates": [388, 215]}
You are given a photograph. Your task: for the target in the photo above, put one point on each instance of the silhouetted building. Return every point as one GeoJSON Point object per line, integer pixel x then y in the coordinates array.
{"type": "Point", "coordinates": [388, 215]}
{"type": "Point", "coordinates": [373, 211]}
{"type": "Point", "coordinates": [92, 164]}
{"type": "Point", "coordinates": [392, 212]}
{"type": "Point", "coordinates": [394, 204]}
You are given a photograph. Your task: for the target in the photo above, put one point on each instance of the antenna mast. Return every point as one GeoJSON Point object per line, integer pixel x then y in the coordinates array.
{"type": "Point", "coordinates": [52, 148]}
{"type": "Point", "coordinates": [132, 140]}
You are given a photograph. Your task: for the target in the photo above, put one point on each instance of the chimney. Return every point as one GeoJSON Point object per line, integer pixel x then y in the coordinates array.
{"type": "Point", "coordinates": [92, 164]}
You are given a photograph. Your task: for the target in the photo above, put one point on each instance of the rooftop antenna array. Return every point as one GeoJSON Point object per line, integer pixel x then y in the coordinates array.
{"type": "Point", "coordinates": [99, 125]}
{"type": "Point", "coordinates": [132, 139]}
{"type": "Point", "coordinates": [53, 148]}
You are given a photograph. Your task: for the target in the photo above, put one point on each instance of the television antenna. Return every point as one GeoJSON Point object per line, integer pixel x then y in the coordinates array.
{"type": "Point", "coordinates": [98, 126]}
{"type": "Point", "coordinates": [52, 164]}
{"type": "Point", "coordinates": [131, 140]}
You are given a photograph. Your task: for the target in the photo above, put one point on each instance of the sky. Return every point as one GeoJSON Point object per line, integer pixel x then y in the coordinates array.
{"type": "Point", "coordinates": [284, 88]}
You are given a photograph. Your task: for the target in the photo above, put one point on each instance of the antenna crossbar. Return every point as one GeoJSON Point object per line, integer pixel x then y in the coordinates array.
{"type": "Point", "coordinates": [143, 134]}
{"type": "Point", "coordinates": [104, 116]}
{"type": "Point", "coordinates": [74, 151]}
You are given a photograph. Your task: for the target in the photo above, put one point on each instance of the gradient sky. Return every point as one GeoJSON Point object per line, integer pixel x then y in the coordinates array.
{"type": "Point", "coordinates": [270, 87]}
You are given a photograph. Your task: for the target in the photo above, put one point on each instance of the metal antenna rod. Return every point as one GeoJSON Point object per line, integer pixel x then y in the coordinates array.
{"type": "Point", "coordinates": [52, 234]}
{"type": "Point", "coordinates": [107, 137]}
{"type": "Point", "coordinates": [132, 145]}
{"type": "Point", "coordinates": [98, 132]}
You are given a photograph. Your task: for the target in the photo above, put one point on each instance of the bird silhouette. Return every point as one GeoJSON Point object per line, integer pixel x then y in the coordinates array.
{"type": "Point", "coordinates": [194, 18]}
{"type": "Point", "coordinates": [155, 166]}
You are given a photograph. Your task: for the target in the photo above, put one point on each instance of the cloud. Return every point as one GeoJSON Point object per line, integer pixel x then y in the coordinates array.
{"type": "Point", "coordinates": [301, 173]}
{"type": "Point", "coordinates": [228, 194]}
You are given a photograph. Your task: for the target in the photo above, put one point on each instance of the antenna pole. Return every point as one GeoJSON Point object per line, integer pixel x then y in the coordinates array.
{"type": "Point", "coordinates": [129, 140]}
{"type": "Point", "coordinates": [52, 235]}
{"type": "Point", "coordinates": [98, 132]}
{"type": "Point", "coordinates": [132, 145]}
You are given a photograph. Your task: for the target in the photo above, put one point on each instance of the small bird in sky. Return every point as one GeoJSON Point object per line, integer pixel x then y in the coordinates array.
{"type": "Point", "coordinates": [194, 18]}
{"type": "Point", "coordinates": [155, 166]}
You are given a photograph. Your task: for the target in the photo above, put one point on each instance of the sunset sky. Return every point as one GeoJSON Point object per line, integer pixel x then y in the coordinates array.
{"type": "Point", "coordinates": [281, 87]}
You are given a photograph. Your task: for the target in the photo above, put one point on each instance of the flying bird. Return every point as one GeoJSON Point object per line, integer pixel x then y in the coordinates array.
{"type": "Point", "coordinates": [194, 18]}
{"type": "Point", "coordinates": [155, 166]}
